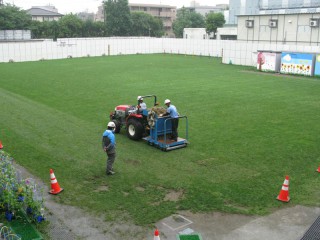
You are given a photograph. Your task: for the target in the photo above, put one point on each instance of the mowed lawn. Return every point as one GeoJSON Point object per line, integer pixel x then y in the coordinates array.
{"type": "Point", "coordinates": [247, 131]}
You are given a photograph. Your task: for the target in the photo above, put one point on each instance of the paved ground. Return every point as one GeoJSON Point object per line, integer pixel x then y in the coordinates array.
{"type": "Point", "coordinates": [285, 224]}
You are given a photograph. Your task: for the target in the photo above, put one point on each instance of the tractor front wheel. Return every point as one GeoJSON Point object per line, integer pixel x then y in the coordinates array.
{"type": "Point", "coordinates": [134, 129]}
{"type": "Point", "coordinates": [118, 125]}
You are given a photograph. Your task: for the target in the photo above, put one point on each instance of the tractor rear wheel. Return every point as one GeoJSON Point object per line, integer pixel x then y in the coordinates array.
{"type": "Point", "coordinates": [134, 129]}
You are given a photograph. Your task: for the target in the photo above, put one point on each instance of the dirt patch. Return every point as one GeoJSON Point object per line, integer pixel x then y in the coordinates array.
{"type": "Point", "coordinates": [206, 162]}
{"type": "Point", "coordinates": [174, 196]}
{"type": "Point", "coordinates": [102, 188]}
{"type": "Point", "coordinates": [125, 194]}
{"type": "Point", "coordinates": [155, 203]}
{"type": "Point", "coordinates": [140, 189]}
{"type": "Point", "coordinates": [133, 162]}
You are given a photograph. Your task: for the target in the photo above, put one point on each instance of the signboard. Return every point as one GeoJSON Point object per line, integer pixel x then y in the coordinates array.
{"type": "Point", "coordinates": [297, 63]}
{"type": "Point", "coordinates": [317, 66]}
{"type": "Point", "coordinates": [268, 61]}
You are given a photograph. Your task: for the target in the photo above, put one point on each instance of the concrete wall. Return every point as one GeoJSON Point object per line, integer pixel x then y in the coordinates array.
{"type": "Point", "coordinates": [195, 33]}
{"type": "Point", "coordinates": [15, 35]}
{"type": "Point", "coordinates": [232, 52]}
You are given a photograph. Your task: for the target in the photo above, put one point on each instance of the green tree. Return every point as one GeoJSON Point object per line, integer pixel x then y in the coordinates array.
{"type": "Point", "coordinates": [93, 29]}
{"type": "Point", "coordinates": [144, 24]}
{"type": "Point", "coordinates": [43, 29]}
{"type": "Point", "coordinates": [157, 29]}
{"type": "Point", "coordinates": [12, 18]}
{"type": "Point", "coordinates": [117, 17]}
{"type": "Point", "coordinates": [70, 26]}
{"type": "Point", "coordinates": [36, 29]}
{"type": "Point", "coordinates": [213, 22]}
{"type": "Point", "coordinates": [99, 29]}
{"type": "Point", "coordinates": [187, 19]}
{"type": "Point", "coordinates": [88, 28]}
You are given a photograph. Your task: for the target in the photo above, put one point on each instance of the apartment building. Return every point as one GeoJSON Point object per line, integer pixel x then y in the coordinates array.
{"type": "Point", "coordinates": [165, 12]}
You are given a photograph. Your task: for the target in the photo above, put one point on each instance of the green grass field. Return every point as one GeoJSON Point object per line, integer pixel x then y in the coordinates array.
{"type": "Point", "coordinates": [247, 131]}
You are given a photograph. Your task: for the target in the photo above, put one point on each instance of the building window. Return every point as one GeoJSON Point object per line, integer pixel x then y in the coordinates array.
{"type": "Point", "coordinates": [304, 29]}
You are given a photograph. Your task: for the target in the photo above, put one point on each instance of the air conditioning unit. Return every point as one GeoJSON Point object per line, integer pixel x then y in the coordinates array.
{"type": "Point", "coordinates": [249, 23]}
{"type": "Point", "coordinates": [314, 22]}
{"type": "Point", "coordinates": [273, 23]}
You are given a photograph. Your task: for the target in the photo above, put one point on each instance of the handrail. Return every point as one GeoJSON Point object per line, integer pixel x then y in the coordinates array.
{"type": "Point", "coordinates": [147, 96]}
{"type": "Point", "coordinates": [165, 127]}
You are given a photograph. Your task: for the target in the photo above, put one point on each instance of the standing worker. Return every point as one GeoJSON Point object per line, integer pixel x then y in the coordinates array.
{"type": "Point", "coordinates": [109, 146]}
{"type": "Point", "coordinates": [172, 111]}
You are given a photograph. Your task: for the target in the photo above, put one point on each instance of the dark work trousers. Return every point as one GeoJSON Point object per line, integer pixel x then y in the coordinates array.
{"type": "Point", "coordinates": [110, 160]}
{"type": "Point", "coordinates": [175, 124]}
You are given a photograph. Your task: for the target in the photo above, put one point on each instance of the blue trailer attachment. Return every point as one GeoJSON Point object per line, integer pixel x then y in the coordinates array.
{"type": "Point", "coordinates": [161, 131]}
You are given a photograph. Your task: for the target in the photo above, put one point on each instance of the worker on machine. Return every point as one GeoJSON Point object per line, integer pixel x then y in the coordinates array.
{"type": "Point", "coordinates": [172, 111]}
{"type": "Point", "coordinates": [141, 105]}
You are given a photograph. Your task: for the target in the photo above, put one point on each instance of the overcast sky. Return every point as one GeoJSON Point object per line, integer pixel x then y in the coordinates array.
{"type": "Point", "coordinates": [74, 6]}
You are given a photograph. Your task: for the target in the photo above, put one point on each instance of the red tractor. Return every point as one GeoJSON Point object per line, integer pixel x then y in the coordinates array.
{"type": "Point", "coordinates": [133, 118]}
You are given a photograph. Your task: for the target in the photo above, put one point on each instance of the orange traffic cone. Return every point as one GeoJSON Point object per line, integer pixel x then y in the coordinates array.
{"type": "Point", "coordinates": [1, 146]}
{"type": "Point", "coordinates": [284, 193]}
{"type": "Point", "coordinates": [156, 235]}
{"type": "Point", "coordinates": [318, 170]}
{"type": "Point", "coordinates": [55, 188]}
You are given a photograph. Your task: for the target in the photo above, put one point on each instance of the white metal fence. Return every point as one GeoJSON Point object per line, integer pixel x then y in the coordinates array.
{"type": "Point", "coordinates": [235, 52]}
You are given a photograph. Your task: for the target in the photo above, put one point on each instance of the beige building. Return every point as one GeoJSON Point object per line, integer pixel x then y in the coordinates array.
{"type": "Point", "coordinates": [165, 12]}
{"type": "Point", "coordinates": [46, 13]}
{"type": "Point", "coordinates": [300, 29]}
